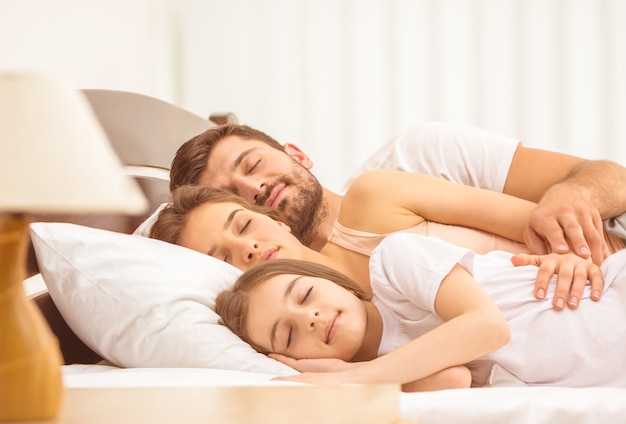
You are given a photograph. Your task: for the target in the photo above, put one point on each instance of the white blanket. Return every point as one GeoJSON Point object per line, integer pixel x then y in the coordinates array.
{"type": "Point", "coordinates": [481, 406]}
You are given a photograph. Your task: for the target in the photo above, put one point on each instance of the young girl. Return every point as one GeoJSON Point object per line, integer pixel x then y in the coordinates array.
{"type": "Point", "coordinates": [435, 306]}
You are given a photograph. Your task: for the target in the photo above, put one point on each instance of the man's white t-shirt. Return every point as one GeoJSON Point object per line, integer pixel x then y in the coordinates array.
{"type": "Point", "coordinates": [458, 153]}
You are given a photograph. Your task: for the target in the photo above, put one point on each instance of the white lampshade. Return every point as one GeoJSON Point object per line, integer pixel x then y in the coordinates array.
{"type": "Point", "coordinates": [54, 156]}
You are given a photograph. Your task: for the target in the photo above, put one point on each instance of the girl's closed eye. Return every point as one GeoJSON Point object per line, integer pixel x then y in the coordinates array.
{"type": "Point", "coordinates": [289, 337]}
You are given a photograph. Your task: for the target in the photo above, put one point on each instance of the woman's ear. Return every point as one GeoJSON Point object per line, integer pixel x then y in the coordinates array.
{"type": "Point", "coordinates": [298, 155]}
{"type": "Point", "coordinates": [285, 226]}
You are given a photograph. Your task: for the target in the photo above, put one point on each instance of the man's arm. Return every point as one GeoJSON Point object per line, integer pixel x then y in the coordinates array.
{"type": "Point", "coordinates": [573, 196]}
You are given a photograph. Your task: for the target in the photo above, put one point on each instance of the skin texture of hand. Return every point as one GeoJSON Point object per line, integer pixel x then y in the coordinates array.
{"type": "Point", "coordinates": [314, 365]}
{"type": "Point", "coordinates": [572, 274]}
{"type": "Point", "coordinates": [565, 221]}
{"type": "Point", "coordinates": [329, 371]}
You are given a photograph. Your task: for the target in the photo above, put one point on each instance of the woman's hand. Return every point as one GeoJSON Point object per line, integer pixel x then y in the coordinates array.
{"type": "Point", "coordinates": [572, 273]}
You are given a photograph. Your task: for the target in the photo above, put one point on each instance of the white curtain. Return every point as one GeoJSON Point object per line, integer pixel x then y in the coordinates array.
{"type": "Point", "coordinates": [340, 77]}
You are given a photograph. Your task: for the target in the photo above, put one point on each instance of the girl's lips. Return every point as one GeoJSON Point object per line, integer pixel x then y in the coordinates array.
{"type": "Point", "coordinates": [331, 327]}
{"type": "Point", "coordinates": [275, 196]}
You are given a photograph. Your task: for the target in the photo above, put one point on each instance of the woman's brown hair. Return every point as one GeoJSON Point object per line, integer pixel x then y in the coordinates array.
{"type": "Point", "coordinates": [173, 218]}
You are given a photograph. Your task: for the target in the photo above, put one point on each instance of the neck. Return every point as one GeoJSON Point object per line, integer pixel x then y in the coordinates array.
{"type": "Point", "coordinates": [331, 206]}
{"type": "Point", "coordinates": [373, 334]}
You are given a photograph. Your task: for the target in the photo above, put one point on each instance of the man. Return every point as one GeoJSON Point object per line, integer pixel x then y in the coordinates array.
{"type": "Point", "coordinates": [574, 195]}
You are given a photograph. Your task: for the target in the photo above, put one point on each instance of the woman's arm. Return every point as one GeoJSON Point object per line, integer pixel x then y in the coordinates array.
{"type": "Point", "coordinates": [388, 201]}
{"type": "Point", "coordinates": [473, 327]}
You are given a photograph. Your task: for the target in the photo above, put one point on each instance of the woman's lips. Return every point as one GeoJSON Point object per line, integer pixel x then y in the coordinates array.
{"type": "Point", "coordinates": [269, 254]}
{"type": "Point", "coordinates": [331, 328]}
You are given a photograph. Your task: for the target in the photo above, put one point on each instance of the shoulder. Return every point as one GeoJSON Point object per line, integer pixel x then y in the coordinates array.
{"type": "Point", "coordinates": [381, 180]}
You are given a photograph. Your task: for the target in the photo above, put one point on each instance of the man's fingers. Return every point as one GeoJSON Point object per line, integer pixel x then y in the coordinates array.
{"type": "Point", "coordinates": [594, 234]}
{"type": "Point", "coordinates": [574, 233]}
{"type": "Point", "coordinates": [534, 242]}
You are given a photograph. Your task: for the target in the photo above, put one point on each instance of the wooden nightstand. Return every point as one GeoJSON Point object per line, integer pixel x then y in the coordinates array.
{"type": "Point", "coordinates": [375, 404]}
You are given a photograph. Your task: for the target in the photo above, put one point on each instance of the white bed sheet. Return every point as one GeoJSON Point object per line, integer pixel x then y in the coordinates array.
{"type": "Point", "coordinates": [485, 405]}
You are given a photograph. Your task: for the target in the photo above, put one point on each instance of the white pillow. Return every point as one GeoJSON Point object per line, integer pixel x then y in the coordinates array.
{"type": "Point", "coordinates": [145, 227]}
{"type": "Point", "coordinates": [140, 302]}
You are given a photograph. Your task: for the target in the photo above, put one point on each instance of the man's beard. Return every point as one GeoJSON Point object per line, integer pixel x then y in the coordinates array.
{"type": "Point", "coordinates": [305, 211]}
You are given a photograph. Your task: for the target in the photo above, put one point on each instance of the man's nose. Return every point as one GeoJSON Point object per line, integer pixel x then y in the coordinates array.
{"type": "Point", "coordinates": [252, 189]}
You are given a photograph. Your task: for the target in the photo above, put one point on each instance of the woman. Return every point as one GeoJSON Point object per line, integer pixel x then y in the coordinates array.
{"type": "Point", "coordinates": [216, 223]}
{"type": "Point", "coordinates": [435, 306]}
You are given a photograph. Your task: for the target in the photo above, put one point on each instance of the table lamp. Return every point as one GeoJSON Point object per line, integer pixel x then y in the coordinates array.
{"type": "Point", "coordinates": [54, 157]}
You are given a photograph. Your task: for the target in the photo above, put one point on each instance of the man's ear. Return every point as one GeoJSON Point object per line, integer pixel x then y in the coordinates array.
{"type": "Point", "coordinates": [298, 155]}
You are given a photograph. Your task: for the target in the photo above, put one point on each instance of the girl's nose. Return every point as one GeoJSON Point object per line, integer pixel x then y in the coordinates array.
{"type": "Point", "coordinates": [314, 319]}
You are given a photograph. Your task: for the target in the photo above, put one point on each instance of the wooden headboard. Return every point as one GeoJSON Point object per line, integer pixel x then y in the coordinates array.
{"type": "Point", "coordinates": [145, 132]}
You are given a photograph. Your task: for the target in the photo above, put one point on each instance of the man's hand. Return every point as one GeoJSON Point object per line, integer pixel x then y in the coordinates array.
{"type": "Point", "coordinates": [566, 220]}
{"type": "Point", "coordinates": [572, 273]}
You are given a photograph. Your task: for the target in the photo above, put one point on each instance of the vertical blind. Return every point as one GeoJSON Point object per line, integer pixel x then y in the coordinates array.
{"type": "Point", "coordinates": [340, 77]}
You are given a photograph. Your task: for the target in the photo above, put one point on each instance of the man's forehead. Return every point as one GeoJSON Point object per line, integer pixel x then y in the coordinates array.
{"type": "Point", "coordinates": [226, 155]}
{"type": "Point", "coordinates": [231, 148]}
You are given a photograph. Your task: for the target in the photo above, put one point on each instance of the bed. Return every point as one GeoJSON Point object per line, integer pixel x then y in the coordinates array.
{"type": "Point", "coordinates": [135, 312]}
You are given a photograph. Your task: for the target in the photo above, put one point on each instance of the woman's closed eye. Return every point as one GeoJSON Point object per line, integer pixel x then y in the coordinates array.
{"type": "Point", "coordinates": [306, 295]}
{"type": "Point", "coordinates": [245, 226]}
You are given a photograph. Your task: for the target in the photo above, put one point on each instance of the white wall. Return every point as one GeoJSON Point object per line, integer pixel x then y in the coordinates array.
{"type": "Point", "coordinates": [340, 77]}
{"type": "Point", "coordinates": [115, 44]}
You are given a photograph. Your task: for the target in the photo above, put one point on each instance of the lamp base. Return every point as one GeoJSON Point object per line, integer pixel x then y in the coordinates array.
{"type": "Point", "coordinates": [30, 359]}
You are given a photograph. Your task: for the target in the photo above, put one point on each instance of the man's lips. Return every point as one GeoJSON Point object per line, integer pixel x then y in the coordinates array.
{"type": "Point", "coordinates": [331, 327]}
{"type": "Point", "coordinates": [274, 196]}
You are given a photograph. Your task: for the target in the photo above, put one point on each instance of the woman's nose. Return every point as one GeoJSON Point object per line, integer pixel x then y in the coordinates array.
{"type": "Point", "coordinates": [250, 253]}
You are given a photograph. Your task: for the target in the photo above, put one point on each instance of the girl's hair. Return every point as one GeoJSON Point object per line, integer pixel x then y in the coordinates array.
{"type": "Point", "coordinates": [173, 218]}
{"type": "Point", "coordinates": [233, 305]}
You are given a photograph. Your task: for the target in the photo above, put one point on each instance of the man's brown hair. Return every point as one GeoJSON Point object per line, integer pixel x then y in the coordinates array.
{"type": "Point", "coordinates": [191, 158]}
